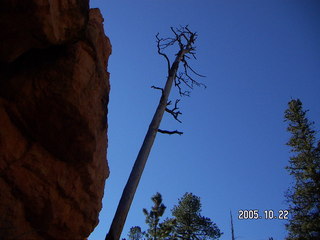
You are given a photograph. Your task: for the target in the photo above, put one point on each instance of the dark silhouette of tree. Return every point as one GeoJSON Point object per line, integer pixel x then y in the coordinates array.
{"type": "Point", "coordinates": [184, 39]}
{"type": "Point", "coordinates": [232, 229]}
{"type": "Point", "coordinates": [156, 230]}
{"type": "Point", "coordinates": [304, 166]}
{"type": "Point", "coordinates": [190, 224]}
{"type": "Point", "coordinates": [135, 233]}
{"type": "Point", "coordinates": [153, 217]}
{"type": "Point", "coordinates": [186, 223]}
{"type": "Point", "coordinates": [166, 231]}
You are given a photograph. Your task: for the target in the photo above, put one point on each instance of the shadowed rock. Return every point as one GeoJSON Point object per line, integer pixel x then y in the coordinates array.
{"type": "Point", "coordinates": [54, 91]}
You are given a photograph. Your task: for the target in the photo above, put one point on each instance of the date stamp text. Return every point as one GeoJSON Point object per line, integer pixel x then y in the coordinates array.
{"type": "Point", "coordinates": [265, 214]}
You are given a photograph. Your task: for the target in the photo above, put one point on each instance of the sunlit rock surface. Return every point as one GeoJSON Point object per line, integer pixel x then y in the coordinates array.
{"type": "Point", "coordinates": [54, 91]}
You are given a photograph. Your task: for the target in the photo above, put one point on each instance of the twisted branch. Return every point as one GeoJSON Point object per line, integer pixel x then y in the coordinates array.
{"type": "Point", "coordinates": [174, 111]}
{"type": "Point", "coordinates": [185, 39]}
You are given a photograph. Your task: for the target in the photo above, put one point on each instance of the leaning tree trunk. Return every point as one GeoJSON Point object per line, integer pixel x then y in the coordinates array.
{"type": "Point", "coordinates": [135, 175]}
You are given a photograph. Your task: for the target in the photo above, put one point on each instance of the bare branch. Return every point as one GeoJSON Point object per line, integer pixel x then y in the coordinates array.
{"type": "Point", "coordinates": [159, 40]}
{"type": "Point", "coordinates": [158, 88]}
{"type": "Point", "coordinates": [189, 78]}
{"type": "Point", "coordinates": [170, 132]}
{"type": "Point", "coordinates": [185, 39]}
{"type": "Point", "coordinates": [188, 66]}
{"type": "Point", "coordinates": [177, 83]}
{"type": "Point", "coordinates": [174, 111]}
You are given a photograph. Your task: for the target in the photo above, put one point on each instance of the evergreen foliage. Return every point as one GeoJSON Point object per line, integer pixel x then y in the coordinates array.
{"type": "Point", "coordinates": [186, 223]}
{"type": "Point", "coordinates": [167, 228]}
{"type": "Point", "coordinates": [190, 224]}
{"type": "Point", "coordinates": [135, 233]}
{"type": "Point", "coordinates": [304, 166]}
{"type": "Point", "coordinates": [153, 217]}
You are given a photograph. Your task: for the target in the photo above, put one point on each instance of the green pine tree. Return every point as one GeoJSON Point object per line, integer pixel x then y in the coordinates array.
{"type": "Point", "coordinates": [153, 217]}
{"type": "Point", "coordinates": [190, 224]}
{"type": "Point", "coordinates": [166, 229]}
{"type": "Point", "coordinates": [135, 233]}
{"type": "Point", "coordinates": [304, 166]}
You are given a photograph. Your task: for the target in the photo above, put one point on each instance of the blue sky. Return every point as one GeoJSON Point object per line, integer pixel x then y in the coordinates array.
{"type": "Point", "coordinates": [257, 55]}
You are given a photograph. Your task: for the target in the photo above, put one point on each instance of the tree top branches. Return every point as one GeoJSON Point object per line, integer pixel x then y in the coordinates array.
{"type": "Point", "coordinates": [185, 39]}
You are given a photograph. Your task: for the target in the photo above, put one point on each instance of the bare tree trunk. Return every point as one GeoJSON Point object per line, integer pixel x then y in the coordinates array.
{"type": "Point", "coordinates": [133, 181]}
{"type": "Point", "coordinates": [136, 173]}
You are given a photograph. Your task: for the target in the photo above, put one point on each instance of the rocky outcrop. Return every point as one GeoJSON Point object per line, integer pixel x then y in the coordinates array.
{"type": "Point", "coordinates": [54, 91]}
{"type": "Point", "coordinates": [39, 23]}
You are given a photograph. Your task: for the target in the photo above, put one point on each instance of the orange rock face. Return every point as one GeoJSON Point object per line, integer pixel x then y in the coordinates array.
{"type": "Point", "coordinates": [54, 92]}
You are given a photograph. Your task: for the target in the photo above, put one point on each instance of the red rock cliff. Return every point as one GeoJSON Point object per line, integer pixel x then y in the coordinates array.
{"type": "Point", "coordinates": [54, 90]}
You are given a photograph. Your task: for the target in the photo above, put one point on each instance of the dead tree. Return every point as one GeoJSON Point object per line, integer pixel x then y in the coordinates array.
{"type": "Point", "coordinates": [185, 40]}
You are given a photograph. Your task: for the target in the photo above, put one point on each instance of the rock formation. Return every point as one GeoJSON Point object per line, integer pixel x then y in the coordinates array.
{"type": "Point", "coordinates": [54, 91]}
